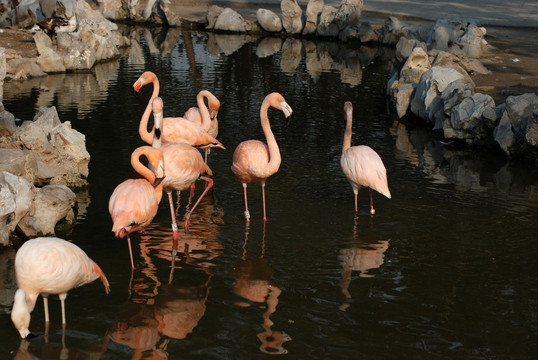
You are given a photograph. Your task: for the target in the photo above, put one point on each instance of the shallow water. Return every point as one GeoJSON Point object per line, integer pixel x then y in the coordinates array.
{"type": "Point", "coordinates": [444, 269]}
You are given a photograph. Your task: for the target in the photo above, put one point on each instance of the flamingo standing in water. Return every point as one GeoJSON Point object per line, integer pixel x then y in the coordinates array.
{"type": "Point", "coordinates": [211, 123]}
{"type": "Point", "coordinates": [183, 165]}
{"type": "Point", "coordinates": [134, 202]}
{"type": "Point", "coordinates": [49, 265]}
{"type": "Point", "coordinates": [362, 165]}
{"type": "Point", "coordinates": [254, 161]}
{"type": "Point", "coordinates": [173, 129]}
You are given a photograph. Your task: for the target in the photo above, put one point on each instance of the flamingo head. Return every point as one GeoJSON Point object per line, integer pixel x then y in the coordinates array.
{"type": "Point", "coordinates": [348, 109]}
{"type": "Point", "coordinates": [214, 106]}
{"type": "Point", "coordinates": [144, 79]}
{"type": "Point", "coordinates": [20, 314]}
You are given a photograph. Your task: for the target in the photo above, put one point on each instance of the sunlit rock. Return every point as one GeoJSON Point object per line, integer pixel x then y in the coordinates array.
{"type": "Point", "coordinates": [268, 46]}
{"type": "Point", "coordinates": [51, 204]}
{"type": "Point", "coordinates": [231, 20]}
{"type": "Point", "coordinates": [291, 55]}
{"type": "Point", "coordinates": [268, 20]}
{"type": "Point", "coordinates": [111, 9]}
{"type": "Point", "coordinates": [102, 45]}
{"type": "Point", "coordinates": [313, 10]}
{"type": "Point", "coordinates": [415, 65]}
{"type": "Point", "coordinates": [405, 47]}
{"type": "Point", "coordinates": [393, 29]}
{"type": "Point", "coordinates": [292, 16]}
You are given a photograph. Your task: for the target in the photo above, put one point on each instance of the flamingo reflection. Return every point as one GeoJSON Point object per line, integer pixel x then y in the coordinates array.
{"type": "Point", "coordinates": [253, 283]}
{"type": "Point", "coordinates": [362, 253]}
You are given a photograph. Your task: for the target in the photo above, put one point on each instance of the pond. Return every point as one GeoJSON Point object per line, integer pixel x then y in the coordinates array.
{"type": "Point", "coordinates": [445, 269]}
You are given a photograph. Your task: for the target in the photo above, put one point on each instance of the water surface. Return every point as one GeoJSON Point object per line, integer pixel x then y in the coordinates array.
{"type": "Point", "coordinates": [444, 269]}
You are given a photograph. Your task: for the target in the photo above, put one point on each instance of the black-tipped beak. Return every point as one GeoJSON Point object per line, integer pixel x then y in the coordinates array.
{"type": "Point", "coordinates": [158, 181]}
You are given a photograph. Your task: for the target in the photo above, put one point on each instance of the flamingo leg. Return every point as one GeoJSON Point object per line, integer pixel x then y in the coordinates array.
{"type": "Point", "coordinates": [46, 307]}
{"type": "Point", "coordinates": [193, 186]}
{"type": "Point", "coordinates": [130, 251]}
{"type": "Point", "coordinates": [247, 213]}
{"type": "Point", "coordinates": [62, 301]}
{"type": "Point", "coordinates": [178, 202]}
{"type": "Point", "coordinates": [372, 210]}
{"type": "Point", "coordinates": [188, 216]}
{"type": "Point", "coordinates": [356, 192]}
{"type": "Point", "coordinates": [174, 224]}
{"type": "Point", "coordinates": [263, 201]}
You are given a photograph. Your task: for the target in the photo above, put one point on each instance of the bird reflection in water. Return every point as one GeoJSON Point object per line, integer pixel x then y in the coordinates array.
{"type": "Point", "coordinates": [253, 283]}
{"type": "Point", "coordinates": [361, 253]}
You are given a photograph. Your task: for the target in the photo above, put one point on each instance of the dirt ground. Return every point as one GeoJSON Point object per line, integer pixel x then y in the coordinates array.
{"type": "Point", "coordinates": [19, 42]}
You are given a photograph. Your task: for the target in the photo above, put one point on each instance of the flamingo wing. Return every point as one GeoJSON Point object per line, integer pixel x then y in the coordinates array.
{"type": "Point", "coordinates": [364, 168]}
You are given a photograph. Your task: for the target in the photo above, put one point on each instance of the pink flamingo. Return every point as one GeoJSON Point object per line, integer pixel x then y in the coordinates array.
{"type": "Point", "coordinates": [362, 165]}
{"type": "Point", "coordinates": [183, 165]}
{"type": "Point", "coordinates": [134, 202]}
{"type": "Point", "coordinates": [49, 265]}
{"type": "Point", "coordinates": [173, 129]}
{"type": "Point", "coordinates": [254, 161]}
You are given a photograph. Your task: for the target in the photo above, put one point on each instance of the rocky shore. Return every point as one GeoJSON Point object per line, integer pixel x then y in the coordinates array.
{"type": "Point", "coordinates": [44, 160]}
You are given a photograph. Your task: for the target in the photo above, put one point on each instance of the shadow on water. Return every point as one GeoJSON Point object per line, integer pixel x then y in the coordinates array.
{"type": "Point", "coordinates": [444, 269]}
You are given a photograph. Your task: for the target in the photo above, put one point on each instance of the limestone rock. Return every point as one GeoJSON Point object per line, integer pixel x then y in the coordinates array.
{"type": "Point", "coordinates": [212, 15]}
{"type": "Point", "coordinates": [16, 197]}
{"type": "Point", "coordinates": [230, 20]}
{"type": "Point", "coordinates": [313, 10]}
{"type": "Point", "coordinates": [268, 20]}
{"type": "Point", "coordinates": [348, 13]}
{"type": "Point", "coordinates": [292, 16]}
{"type": "Point", "coordinates": [327, 26]}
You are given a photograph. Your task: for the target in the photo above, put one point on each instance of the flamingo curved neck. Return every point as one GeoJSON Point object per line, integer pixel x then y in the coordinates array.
{"type": "Point", "coordinates": [141, 168]}
{"type": "Point", "coordinates": [272, 146]}
{"type": "Point", "coordinates": [147, 136]}
{"type": "Point", "coordinates": [204, 112]}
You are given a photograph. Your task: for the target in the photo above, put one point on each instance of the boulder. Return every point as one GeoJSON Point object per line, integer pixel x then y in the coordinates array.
{"type": "Point", "coordinates": [16, 197]}
{"type": "Point", "coordinates": [292, 16]}
{"type": "Point", "coordinates": [230, 20]}
{"type": "Point", "coordinates": [313, 10]}
{"type": "Point", "coordinates": [511, 131]}
{"type": "Point", "coordinates": [327, 26]}
{"type": "Point", "coordinates": [348, 13]}
{"type": "Point", "coordinates": [531, 133]}
{"type": "Point", "coordinates": [268, 20]}
{"type": "Point", "coordinates": [212, 15]}
{"type": "Point", "coordinates": [465, 120]}
{"type": "Point", "coordinates": [52, 204]}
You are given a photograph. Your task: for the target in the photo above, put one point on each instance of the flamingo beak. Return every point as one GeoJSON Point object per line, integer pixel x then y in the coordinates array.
{"type": "Point", "coordinates": [138, 84]}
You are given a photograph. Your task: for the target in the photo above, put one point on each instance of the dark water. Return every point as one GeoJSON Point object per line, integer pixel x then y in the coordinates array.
{"type": "Point", "coordinates": [445, 269]}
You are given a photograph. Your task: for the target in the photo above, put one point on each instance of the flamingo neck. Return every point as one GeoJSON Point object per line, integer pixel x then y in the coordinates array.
{"type": "Point", "coordinates": [204, 112]}
{"type": "Point", "coordinates": [348, 132]}
{"type": "Point", "coordinates": [147, 136]}
{"type": "Point", "coordinates": [141, 168]}
{"type": "Point", "coordinates": [272, 146]}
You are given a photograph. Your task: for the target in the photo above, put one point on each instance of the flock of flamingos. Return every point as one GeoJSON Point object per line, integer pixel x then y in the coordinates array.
{"type": "Point", "coordinates": [50, 265]}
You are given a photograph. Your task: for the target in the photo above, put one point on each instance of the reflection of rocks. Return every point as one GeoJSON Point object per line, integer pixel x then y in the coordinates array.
{"type": "Point", "coordinates": [291, 55]}
{"type": "Point", "coordinates": [268, 46]}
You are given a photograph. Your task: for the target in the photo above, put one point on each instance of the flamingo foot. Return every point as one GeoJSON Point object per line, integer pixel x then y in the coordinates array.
{"type": "Point", "coordinates": [247, 215]}
{"type": "Point", "coordinates": [187, 222]}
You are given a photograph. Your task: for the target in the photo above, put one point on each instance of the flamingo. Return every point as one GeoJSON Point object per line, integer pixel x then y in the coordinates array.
{"type": "Point", "coordinates": [362, 165]}
{"type": "Point", "coordinates": [183, 165]}
{"type": "Point", "coordinates": [211, 123]}
{"type": "Point", "coordinates": [255, 161]}
{"type": "Point", "coordinates": [49, 265]}
{"type": "Point", "coordinates": [173, 129]}
{"type": "Point", "coordinates": [134, 202]}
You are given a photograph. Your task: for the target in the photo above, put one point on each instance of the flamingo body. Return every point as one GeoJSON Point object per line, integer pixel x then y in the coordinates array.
{"type": "Point", "coordinates": [362, 165]}
{"type": "Point", "coordinates": [174, 129]}
{"type": "Point", "coordinates": [254, 161]}
{"type": "Point", "coordinates": [49, 265]}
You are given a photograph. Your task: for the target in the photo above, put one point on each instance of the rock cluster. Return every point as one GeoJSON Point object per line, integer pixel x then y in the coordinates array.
{"type": "Point", "coordinates": [89, 39]}
{"type": "Point", "coordinates": [434, 84]}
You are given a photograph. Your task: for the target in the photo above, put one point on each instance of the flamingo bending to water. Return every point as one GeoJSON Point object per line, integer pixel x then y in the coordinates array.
{"type": "Point", "coordinates": [173, 129]}
{"type": "Point", "coordinates": [362, 165]}
{"type": "Point", "coordinates": [49, 265]}
{"type": "Point", "coordinates": [255, 161]}
{"type": "Point", "coordinates": [134, 202]}
{"type": "Point", "coordinates": [183, 165]}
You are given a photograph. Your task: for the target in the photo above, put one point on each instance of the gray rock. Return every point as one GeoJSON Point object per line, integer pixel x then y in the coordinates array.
{"type": "Point", "coordinates": [327, 26]}
{"type": "Point", "coordinates": [415, 65]}
{"type": "Point", "coordinates": [268, 20]}
{"type": "Point", "coordinates": [292, 16]}
{"type": "Point", "coordinates": [212, 15]}
{"type": "Point", "coordinates": [348, 13]}
{"type": "Point", "coordinates": [16, 197]}
{"type": "Point", "coordinates": [466, 118]}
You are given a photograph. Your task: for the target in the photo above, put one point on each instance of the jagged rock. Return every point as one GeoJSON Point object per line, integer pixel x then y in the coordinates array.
{"type": "Point", "coordinates": [23, 69]}
{"type": "Point", "coordinates": [431, 85]}
{"type": "Point", "coordinates": [292, 16]}
{"type": "Point", "coordinates": [472, 41]}
{"type": "Point", "coordinates": [511, 131]}
{"type": "Point", "coordinates": [454, 94]}
{"type": "Point", "coordinates": [393, 29]}
{"type": "Point", "coordinates": [103, 46]}
{"type": "Point", "coordinates": [268, 20]}
{"type": "Point", "coordinates": [458, 35]}
{"type": "Point", "coordinates": [231, 20]}
{"type": "Point", "coordinates": [7, 124]}
{"type": "Point", "coordinates": [313, 10]}
{"type": "Point", "coordinates": [79, 57]}
{"type": "Point", "coordinates": [403, 95]}
{"type": "Point", "coordinates": [326, 26]}
{"type": "Point", "coordinates": [212, 15]}
{"type": "Point", "coordinates": [112, 10]}
{"type": "Point", "coordinates": [531, 134]}
{"type": "Point", "coordinates": [51, 204]}
{"type": "Point", "coordinates": [25, 14]}
{"type": "Point", "coordinates": [348, 34]}
{"type": "Point", "coordinates": [16, 197]}
{"type": "Point", "coordinates": [268, 46]}
{"type": "Point", "coordinates": [367, 33]}
{"type": "Point", "coordinates": [348, 13]}
{"type": "Point", "coordinates": [405, 47]}
{"type": "Point", "coordinates": [415, 65]}
{"type": "Point", "coordinates": [466, 118]}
